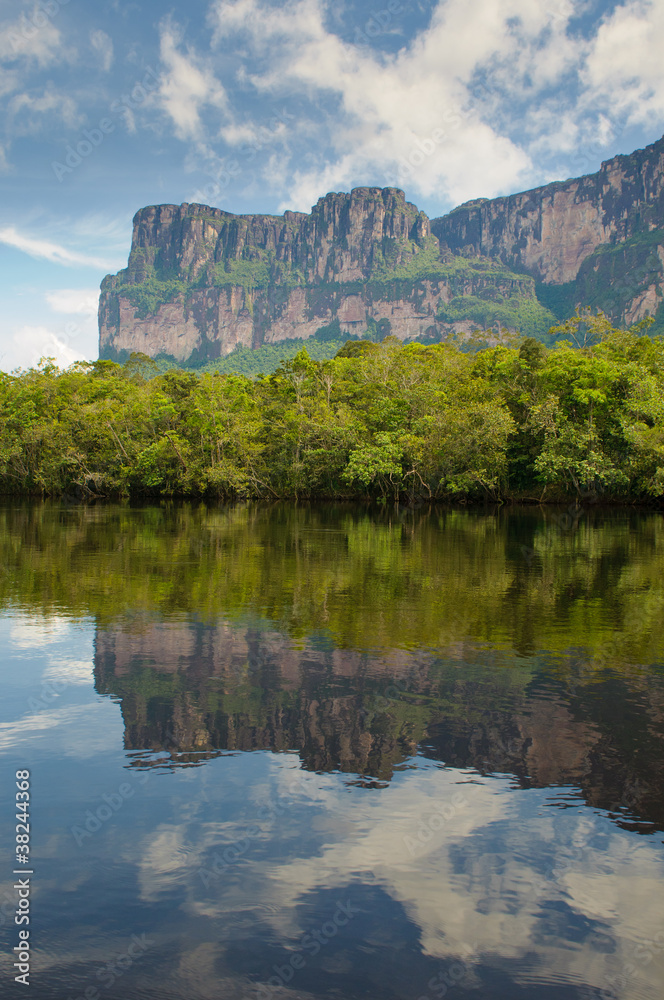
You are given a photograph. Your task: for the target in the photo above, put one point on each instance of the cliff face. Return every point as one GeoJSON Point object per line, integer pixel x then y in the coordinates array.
{"type": "Point", "coordinates": [201, 281]}
{"type": "Point", "coordinates": [194, 691]}
{"type": "Point", "coordinates": [565, 233]}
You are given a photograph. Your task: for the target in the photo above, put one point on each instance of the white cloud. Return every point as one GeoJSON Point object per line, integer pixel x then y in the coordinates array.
{"type": "Point", "coordinates": [50, 251]}
{"type": "Point", "coordinates": [32, 343]}
{"type": "Point", "coordinates": [404, 113]}
{"type": "Point", "coordinates": [24, 39]}
{"type": "Point", "coordinates": [74, 300]}
{"type": "Point", "coordinates": [187, 86]}
{"type": "Point", "coordinates": [478, 103]}
{"type": "Point", "coordinates": [8, 81]}
{"type": "Point", "coordinates": [29, 113]}
{"type": "Point", "coordinates": [103, 45]}
{"type": "Point", "coordinates": [625, 68]}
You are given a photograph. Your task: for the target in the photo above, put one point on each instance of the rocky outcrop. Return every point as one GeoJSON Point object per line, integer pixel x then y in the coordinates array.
{"type": "Point", "coordinates": [564, 233]}
{"type": "Point", "coordinates": [201, 281]}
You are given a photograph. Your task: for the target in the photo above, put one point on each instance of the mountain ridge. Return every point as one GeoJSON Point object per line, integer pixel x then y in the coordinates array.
{"type": "Point", "coordinates": [201, 281]}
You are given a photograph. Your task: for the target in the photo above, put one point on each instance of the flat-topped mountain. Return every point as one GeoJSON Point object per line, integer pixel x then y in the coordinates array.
{"type": "Point", "coordinates": [201, 281]}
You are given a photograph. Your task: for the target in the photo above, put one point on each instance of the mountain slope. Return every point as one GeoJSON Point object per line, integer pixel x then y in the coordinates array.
{"type": "Point", "coordinates": [201, 282]}
{"type": "Point", "coordinates": [596, 240]}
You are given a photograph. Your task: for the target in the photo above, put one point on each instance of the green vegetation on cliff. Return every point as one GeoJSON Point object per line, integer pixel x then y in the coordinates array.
{"type": "Point", "coordinates": [618, 274]}
{"type": "Point", "coordinates": [388, 420]}
{"type": "Point", "coordinates": [480, 291]}
{"type": "Point", "coordinates": [491, 310]}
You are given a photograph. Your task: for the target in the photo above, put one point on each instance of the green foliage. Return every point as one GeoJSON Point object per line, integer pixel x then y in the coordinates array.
{"type": "Point", "coordinates": [381, 578]}
{"type": "Point", "coordinates": [357, 420]}
{"type": "Point", "coordinates": [617, 273]}
{"type": "Point", "coordinates": [266, 359]}
{"type": "Point", "coordinates": [357, 349]}
{"type": "Point", "coordinates": [558, 299]}
{"type": "Point", "coordinates": [515, 312]}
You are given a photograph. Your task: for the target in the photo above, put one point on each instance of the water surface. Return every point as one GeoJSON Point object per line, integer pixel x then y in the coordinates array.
{"type": "Point", "coordinates": [335, 752]}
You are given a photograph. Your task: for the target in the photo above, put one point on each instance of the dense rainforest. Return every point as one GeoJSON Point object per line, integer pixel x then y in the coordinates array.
{"type": "Point", "coordinates": [378, 421]}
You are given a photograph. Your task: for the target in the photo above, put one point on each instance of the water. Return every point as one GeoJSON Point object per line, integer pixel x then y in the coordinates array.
{"type": "Point", "coordinates": [334, 753]}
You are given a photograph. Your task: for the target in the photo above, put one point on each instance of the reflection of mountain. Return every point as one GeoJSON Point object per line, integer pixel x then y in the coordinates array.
{"type": "Point", "coordinates": [194, 690]}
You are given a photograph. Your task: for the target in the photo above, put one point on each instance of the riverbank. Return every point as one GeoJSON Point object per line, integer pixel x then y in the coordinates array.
{"type": "Point", "coordinates": [392, 423]}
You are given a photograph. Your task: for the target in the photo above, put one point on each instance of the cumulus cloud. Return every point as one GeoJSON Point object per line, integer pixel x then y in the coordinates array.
{"type": "Point", "coordinates": [33, 38]}
{"type": "Point", "coordinates": [29, 112]}
{"type": "Point", "coordinates": [32, 343]}
{"type": "Point", "coordinates": [624, 66]}
{"type": "Point", "coordinates": [476, 103]}
{"type": "Point", "coordinates": [187, 85]}
{"type": "Point", "coordinates": [103, 46]}
{"type": "Point", "coordinates": [410, 118]}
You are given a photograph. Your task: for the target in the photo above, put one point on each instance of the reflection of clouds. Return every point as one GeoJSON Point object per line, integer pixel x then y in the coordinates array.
{"type": "Point", "coordinates": [505, 879]}
{"type": "Point", "coordinates": [30, 632]}
{"type": "Point", "coordinates": [15, 734]}
{"type": "Point", "coordinates": [165, 858]}
{"type": "Point", "coordinates": [57, 638]}
{"type": "Point", "coordinates": [80, 730]}
{"type": "Point", "coordinates": [70, 671]}
{"type": "Point", "coordinates": [483, 881]}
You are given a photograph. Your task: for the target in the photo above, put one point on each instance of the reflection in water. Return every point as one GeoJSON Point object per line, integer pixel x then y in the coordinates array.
{"type": "Point", "coordinates": [457, 769]}
{"type": "Point", "coordinates": [192, 689]}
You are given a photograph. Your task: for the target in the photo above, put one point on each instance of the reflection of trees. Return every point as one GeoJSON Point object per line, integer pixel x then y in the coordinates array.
{"type": "Point", "coordinates": [322, 607]}
{"type": "Point", "coordinates": [192, 690]}
{"type": "Point", "coordinates": [519, 580]}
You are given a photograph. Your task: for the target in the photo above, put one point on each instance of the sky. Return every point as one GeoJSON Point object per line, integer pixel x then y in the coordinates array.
{"type": "Point", "coordinates": [260, 106]}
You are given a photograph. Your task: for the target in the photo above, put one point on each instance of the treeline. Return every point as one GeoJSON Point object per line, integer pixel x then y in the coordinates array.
{"type": "Point", "coordinates": [585, 418]}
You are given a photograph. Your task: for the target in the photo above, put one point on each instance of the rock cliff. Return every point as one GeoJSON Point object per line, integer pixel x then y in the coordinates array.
{"type": "Point", "coordinates": [599, 238]}
{"type": "Point", "coordinates": [194, 691]}
{"type": "Point", "coordinates": [201, 281]}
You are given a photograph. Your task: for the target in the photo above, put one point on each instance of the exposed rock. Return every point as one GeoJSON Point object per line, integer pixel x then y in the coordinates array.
{"type": "Point", "coordinates": [201, 281]}
{"type": "Point", "coordinates": [556, 233]}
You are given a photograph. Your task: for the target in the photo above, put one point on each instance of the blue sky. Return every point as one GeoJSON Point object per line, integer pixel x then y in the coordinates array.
{"type": "Point", "coordinates": [259, 106]}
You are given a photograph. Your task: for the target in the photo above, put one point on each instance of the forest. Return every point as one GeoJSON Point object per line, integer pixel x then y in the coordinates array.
{"type": "Point", "coordinates": [379, 421]}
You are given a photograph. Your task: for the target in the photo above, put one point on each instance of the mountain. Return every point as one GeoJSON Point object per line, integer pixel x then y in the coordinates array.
{"type": "Point", "coordinates": [201, 281]}
{"type": "Point", "coordinates": [596, 241]}
{"type": "Point", "coordinates": [193, 691]}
